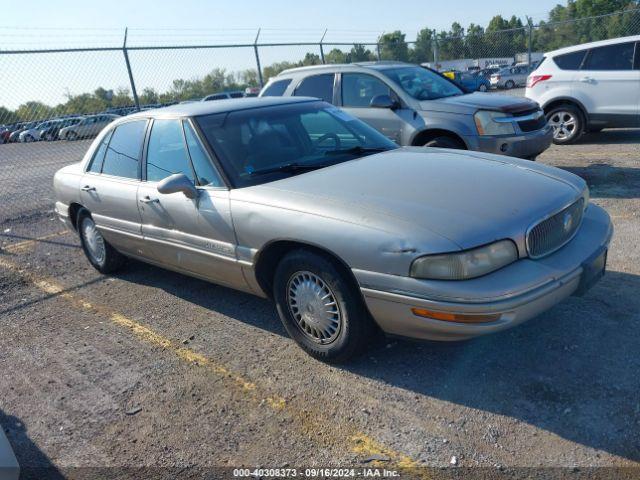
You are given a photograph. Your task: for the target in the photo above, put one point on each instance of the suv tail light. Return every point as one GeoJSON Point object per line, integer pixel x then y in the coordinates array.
{"type": "Point", "coordinates": [532, 80]}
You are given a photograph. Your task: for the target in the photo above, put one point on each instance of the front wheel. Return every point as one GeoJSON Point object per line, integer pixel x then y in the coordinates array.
{"type": "Point", "coordinates": [71, 136]}
{"type": "Point", "coordinates": [320, 307]}
{"type": "Point", "coordinates": [509, 85]}
{"type": "Point", "coordinates": [482, 88]}
{"type": "Point", "coordinates": [567, 124]}
{"type": "Point", "coordinates": [100, 253]}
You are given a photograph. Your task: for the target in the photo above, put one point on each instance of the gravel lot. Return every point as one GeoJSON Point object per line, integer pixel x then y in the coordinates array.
{"type": "Point", "coordinates": [153, 369]}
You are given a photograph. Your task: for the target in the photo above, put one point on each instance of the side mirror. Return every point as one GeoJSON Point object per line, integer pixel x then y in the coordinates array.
{"type": "Point", "coordinates": [178, 182]}
{"type": "Point", "coordinates": [383, 101]}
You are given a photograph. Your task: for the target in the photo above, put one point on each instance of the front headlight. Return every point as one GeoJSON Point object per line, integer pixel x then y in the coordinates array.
{"type": "Point", "coordinates": [464, 265]}
{"type": "Point", "coordinates": [487, 125]}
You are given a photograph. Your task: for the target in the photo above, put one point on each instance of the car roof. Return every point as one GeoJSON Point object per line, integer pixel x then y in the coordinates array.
{"type": "Point", "coordinates": [221, 106]}
{"type": "Point", "coordinates": [379, 65]}
{"type": "Point", "coordinates": [601, 43]}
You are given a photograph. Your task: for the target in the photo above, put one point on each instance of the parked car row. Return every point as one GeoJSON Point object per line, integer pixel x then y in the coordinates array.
{"type": "Point", "coordinates": [66, 128]}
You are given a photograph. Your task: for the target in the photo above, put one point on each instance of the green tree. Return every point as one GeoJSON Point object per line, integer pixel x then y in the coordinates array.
{"type": "Point", "coordinates": [422, 50]}
{"type": "Point", "coordinates": [393, 46]}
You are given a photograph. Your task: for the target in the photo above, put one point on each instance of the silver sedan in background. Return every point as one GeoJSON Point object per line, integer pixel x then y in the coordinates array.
{"type": "Point", "coordinates": [298, 201]}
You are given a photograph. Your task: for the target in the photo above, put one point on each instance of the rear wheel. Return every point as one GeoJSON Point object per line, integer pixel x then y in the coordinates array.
{"type": "Point", "coordinates": [509, 84]}
{"type": "Point", "coordinates": [28, 139]}
{"type": "Point", "coordinates": [482, 88]}
{"type": "Point", "coordinates": [320, 307]}
{"type": "Point", "coordinates": [567, 124]}
{"type": "Point", "coordinates": [445, 142]}
{"type": "Point", "coordinates": [100, 253]}
{"type": "Point", "coordinates": [71, 136]}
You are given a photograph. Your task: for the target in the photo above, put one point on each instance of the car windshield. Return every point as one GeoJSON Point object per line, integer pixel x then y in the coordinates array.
{"type": "Point", "coordinates": [265, 144]}
{"type": "Point", "coordinates": [422, 83]}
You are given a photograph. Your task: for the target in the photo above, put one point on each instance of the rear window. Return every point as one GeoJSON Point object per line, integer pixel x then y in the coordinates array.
{"type": "Point", "coordinates": [611, 57]}
{"type": "Point", "coordinates": [570, 61]}
{"type": "Point", "coordinates": [319, 86]}
{"type": "Point", "coordinates": [123, 153]}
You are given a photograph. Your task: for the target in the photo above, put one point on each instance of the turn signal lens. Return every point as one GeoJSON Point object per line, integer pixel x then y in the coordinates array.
{"type": "Point", "coordinates": [454, 317]}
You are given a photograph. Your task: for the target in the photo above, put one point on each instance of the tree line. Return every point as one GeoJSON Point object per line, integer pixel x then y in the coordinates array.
{"type": "Point", "coordinates": [566, 25]}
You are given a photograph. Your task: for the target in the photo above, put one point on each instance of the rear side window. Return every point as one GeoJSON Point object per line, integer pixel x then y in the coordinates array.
{"type": "Point", "coordinates": [98, 157]}
{"type": "Point", "coordinates": [611, 57]}
{"type": "Point", "coordinates": [277, 88]}
{"type": "Point", "coordinates": [319, 86]}
{"type": "Point", "coordinates": [570, 61]}
{"type": "Point", "coordinates": [123, 153]}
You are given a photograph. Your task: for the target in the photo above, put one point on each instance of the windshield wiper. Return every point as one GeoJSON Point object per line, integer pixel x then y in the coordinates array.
{"type": "Point", "coordinates": [356, 150]}
{"type": "Point", "coordinates": [290, 167]}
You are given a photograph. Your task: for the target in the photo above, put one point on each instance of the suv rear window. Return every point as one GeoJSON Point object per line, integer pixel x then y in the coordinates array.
{"type": "Point", "coordinates": [319, 86]}
{"type": "Point", "coordinates": [277, 88]}
{"type": "Point", "coordinates": [570, 61]}
{"type": "Point", "coordinates": [611, 57]}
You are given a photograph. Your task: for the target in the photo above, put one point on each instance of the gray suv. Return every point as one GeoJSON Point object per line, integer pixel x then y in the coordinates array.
{"type": "Point", "coordinates": [417, 106]}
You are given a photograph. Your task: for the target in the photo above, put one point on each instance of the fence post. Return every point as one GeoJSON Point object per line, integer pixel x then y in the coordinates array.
{"type": "Point", "coordinates": [255, 49]}
{"type": "Point", "coordinates": [435, 49]}
{"type": "Point", "coordinates": [321, 48]}
{"type": "Point", "coordinates": [529, 41]}
{"type": "Point", "coordinates": [126, 61]}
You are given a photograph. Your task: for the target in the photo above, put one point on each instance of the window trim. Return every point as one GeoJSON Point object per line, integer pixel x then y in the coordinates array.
{"type": "Point", "coordinates": [333, 86]}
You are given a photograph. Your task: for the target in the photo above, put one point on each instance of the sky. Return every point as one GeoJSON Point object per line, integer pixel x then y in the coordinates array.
{"type": "Point", "coordinates": [73, 23]}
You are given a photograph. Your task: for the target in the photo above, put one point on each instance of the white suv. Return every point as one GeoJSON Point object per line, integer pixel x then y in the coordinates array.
{"type": "Point", "coordinates": [589, 87]}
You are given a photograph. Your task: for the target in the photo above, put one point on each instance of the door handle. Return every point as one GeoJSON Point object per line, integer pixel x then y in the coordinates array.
{"type": "Point", "coordinates": [148, 199]}
{"type": "Point", "coordinates": [87, 188]}
{"type": "Point", "coordinates": [586, 79]}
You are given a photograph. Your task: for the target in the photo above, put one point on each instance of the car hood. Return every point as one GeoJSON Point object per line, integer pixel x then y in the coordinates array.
{"type": "Point", "coordinates": [467, 198]}
{"type": "Point", "coordinates": [472, 102]}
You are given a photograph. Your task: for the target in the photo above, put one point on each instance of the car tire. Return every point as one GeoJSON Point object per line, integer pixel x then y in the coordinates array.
{"type": "Point", "coordinates": [29, 139]}
{"type": "Point", "coordinates": [482, 88]}
{"type": "Point", "coordinates": [445, 142]}
{"type": "Point", "coordinates": [98, 251]}
{"type": "Point", "coordinates": [320, 307]}
{"type": "Point", "coordinates": [509, 84]}
{"type": "Point", "coordinates": [567, 122]}
{"type": "Point", "coordinates": [71, 136]}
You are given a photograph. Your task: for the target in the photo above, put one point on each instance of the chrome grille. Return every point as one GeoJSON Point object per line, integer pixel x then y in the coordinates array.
{"type": "Point", "coordinates": [552, 233]}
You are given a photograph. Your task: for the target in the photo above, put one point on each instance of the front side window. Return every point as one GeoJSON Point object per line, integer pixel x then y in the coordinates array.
{"type": "Point", "coordinates": [205, 171]}
{"type": "Point", "coordinates": [611, 57]}
{"type": "Point", "coordinates": [123, 153]}
{"type": "Point", "coordinates": [358, 89]}
{"type": "Point", "coordinates": [276, 89]}
{"type": "Point", "coordinates": [167, 152]}
{"type": "Point", "coordinates": [319, 86]}
{"type": "Point", "coordinates": [265, 144]}
{"type": "Point", "coordinates": [423, 84]}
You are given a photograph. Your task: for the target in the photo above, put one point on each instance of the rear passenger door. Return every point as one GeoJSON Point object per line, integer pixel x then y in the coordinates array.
{"type": "Point", "coordinates": [109, 187]}
{"type": "Point", "coordinates": [610, 85]}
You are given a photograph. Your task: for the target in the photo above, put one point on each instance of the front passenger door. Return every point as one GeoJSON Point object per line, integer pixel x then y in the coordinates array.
{"type": "Point", "coordinates": [192, 235]}
{"type": "Point", "coordinates": [357, 91]}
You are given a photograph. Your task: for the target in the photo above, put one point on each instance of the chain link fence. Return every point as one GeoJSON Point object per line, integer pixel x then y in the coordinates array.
{"type": "Point", "coordinates": [46, 93]}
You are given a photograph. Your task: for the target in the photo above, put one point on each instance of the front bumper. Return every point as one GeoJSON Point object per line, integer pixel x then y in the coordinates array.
{"type": "Point", "coordinates": [516, 293]}
{"type": "Point", "coordinates": [521, 145]}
